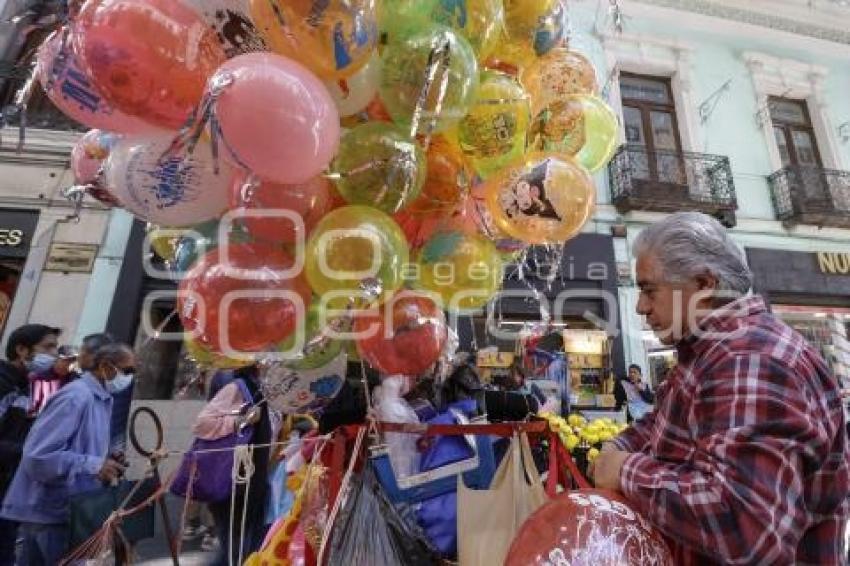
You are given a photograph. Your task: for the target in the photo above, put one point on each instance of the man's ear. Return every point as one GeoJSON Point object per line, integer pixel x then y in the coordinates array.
{"type": "Point", "coordinates": [22, 351]}
{"type": "Point", "coordinates": [707, 282]}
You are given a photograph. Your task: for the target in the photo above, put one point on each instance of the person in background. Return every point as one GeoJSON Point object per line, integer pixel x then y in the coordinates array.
{"type": "Point", "coordinates": [217, 419]}
{"type": "Point", "coordinates": [634, 393]}
{"type": "Point", "coordinates": [66, 453]}
{"type": "Point", "coordinates": [91, 344]}
{"type": "Point", "coordinates": [15, 420]}
{"type": "Point", "coordinates": [50, 373]}
{"type": "Point", "coordinates": [745, 458]}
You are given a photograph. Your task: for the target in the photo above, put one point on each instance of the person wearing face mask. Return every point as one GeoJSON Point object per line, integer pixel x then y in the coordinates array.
{"type": "Point", "coordinates": [66, 453]}
{"type": "Point", "coordinates": [48, 372]}
{"type": "Point", "coordinates": [23, 345]}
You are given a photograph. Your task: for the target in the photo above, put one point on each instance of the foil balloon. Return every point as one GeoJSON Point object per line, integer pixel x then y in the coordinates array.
{"type": "Point", "coordinates": [196, 242]}
{"type": "Point", "coordinates": [479, 21]}
{"type": "Point", "coordinates": [277, 119]}
{"type": "Point", "coordinates": [380, 165]}
{"type": "Point", "coordinates": [547, 198]}
{"type": "Point", "coordinates": [449, 175]}
{"type": "Point", "coordinates": [405, 336]}
{"type": "Point", "coordinates": [292, 391]}
{"type": "Point", "coordinates": [429, 77]}
{"type": "Point", "coordinates": [351, 246]}
{"type": "Point", "coordinates": [150, 59]}
{"type": "Point", "coordinates": [333, 38]}
{"type": "Point", "coordinates": [71, 90]}
{"type": "Point", "coordinates": [281, 213]}
{"type": "Point", "coordinates": [589, 526]}
{"type": "Point", "coordinates": [231, 21]}
{"type": "Point", "coordinates": [89, 154]}
{"type": "Point", "coordinates": [167, 190]}
{"type": "Point", "coordinates": [532, 29]}
{"type": "Point", "coordinates": [464, 270]}
{"type": "Point", "coordinates": [163, 242]}
{"type": "Point", "coordinates": [580, 125]}
{"type": "Point", "coordinates": [354, 94]}
{"type": "Point", "coordinates": [245, 303]}
{"type": "Point", "coordinates": [494, 132]}
{"type": "Point", "coordinates": [557, 74]}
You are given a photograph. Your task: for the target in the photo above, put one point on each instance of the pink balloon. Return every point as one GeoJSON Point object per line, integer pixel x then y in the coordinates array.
{"type": "Point", "coordinates": [72, 91]}
{"type": "Point", "coordinates": [309, 201]}
{"type": "Point", "coordinates": [89, 154]}
{"type": "Point", "coordinates": [276, 117]}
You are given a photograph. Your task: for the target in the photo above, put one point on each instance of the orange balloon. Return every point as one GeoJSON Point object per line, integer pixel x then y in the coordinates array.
{"type": "Point", "coordinates": [449, 176]}
{"type": "Point", "coordinates": [557, 74]}
{"type": "Point", "coordinates": [149, 59]}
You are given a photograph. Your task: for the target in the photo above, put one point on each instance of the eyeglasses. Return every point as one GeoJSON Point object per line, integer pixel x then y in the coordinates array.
{"type": "Point", "coordinates": [129, 370]}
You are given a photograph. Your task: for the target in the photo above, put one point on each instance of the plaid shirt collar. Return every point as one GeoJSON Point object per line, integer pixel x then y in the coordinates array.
{"type": "Point", "coordinates": [720, 324]}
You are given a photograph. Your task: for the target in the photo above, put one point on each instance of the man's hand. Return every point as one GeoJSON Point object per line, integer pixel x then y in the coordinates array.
{"type": "Point", "coordinates": [112, 470]}
{"type": "Point", "coordinates": [606, 468]}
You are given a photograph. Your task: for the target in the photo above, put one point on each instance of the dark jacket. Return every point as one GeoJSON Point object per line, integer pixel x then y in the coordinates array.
{"type": "Point", "coordinates": [15, 422]}
{"type": "Point", "coordinates": [620, 393]}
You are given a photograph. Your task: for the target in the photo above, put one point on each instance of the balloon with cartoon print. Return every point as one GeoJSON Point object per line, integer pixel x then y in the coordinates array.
{"type": "Point", "coordinates": [231, 21]}
{"type": "Point", "coordinates": [89, 155]}
{"type": "Point", "coordinates": [544, 199]}
{"type": "Point", "coordinates": [532, 29]}
{"type": "Point", "coordinates": [333, 38]}
{"type": "Point", "coordinates": [557, 74]}
{"type": "Point", "coordinates": [169, 191]}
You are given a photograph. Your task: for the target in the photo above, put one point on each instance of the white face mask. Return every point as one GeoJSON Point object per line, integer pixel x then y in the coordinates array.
{"type": "Point", "coordinates": [121, 382]}
{"type": "Point", "coordinates": [41, 363]}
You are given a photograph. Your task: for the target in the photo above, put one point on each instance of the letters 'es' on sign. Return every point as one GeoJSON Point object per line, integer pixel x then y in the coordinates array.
{"type": "Point", "coordinates": [834, 263]}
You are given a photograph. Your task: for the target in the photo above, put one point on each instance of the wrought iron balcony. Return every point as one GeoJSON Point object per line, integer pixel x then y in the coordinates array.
{"type": "Point", "coordinates": [811, 195]}
{"type": "Point", "coordinates": [673, 181]}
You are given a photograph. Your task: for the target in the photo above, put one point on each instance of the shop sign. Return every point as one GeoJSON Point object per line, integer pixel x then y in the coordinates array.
{"type": "Point", "coordinates": [16, 231]}
{"type": "Point", "coordinates": [834, 263]}
{"type": "Point", "coordinates": [71, 258]}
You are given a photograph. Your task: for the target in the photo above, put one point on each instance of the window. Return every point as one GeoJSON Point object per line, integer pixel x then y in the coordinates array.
{"type": "Point", "coordinates": [649, 116]}
{"type": "Point", "coordinates": [794, 133]}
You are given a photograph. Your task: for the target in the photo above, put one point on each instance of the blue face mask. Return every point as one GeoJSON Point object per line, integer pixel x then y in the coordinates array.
{"type": "Point", "coordinates": [121, 382]}
{"type": "Point", "coordinates": [41, 364]}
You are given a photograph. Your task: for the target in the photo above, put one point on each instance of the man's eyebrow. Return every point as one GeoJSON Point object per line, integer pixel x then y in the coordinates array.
{"type": "Point", "coordinates": [644, 283]}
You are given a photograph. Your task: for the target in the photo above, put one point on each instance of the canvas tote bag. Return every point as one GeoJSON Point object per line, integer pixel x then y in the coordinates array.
{"type": "Point", "coordinates": [489, 519]}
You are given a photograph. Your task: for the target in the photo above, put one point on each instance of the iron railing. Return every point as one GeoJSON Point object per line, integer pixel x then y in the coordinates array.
{"type": "Point", "coordinates": [811, 195]}
{"type": "Point", "coordinates": [672, 181]}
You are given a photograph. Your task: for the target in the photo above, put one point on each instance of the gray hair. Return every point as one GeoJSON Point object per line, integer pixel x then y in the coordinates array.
{"type": "Point", "coordinates": [112, 354]}
{"type": "Point", "coordinates": [689, 244]}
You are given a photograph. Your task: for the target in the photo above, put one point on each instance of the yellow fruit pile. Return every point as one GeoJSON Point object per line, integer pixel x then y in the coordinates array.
{"type": "Point", "coordinates": [575, 431]}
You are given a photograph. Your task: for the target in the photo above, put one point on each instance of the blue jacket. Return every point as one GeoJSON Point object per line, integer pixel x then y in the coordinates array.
{"type": "Point", "coordinates": [63, 454]}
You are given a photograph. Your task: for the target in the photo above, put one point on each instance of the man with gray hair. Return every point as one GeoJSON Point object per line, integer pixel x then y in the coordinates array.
{"type": "Point", "coordinates": [745, 458]}
{"type": "Point", "coordinates": [66, 453]}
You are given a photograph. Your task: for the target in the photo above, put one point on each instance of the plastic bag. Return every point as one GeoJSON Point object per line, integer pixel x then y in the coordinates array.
{"type": "Point", "coordinates": [391, 408]}
{"type": "Point", "coordinates": [370, 532]}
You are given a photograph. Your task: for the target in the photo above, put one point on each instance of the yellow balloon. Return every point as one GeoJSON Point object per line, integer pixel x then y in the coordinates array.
{"type": "Point", "coordinates": [208, 359]}
{"type": "Point", "coordinates": [479, 21]}
{"type": "Point", "coordinates": [348, 248]}
{"type": "Point", "coordinates": [559, 73]}
{"type": "Point", "coordinates": [465, 270]}
{"type": "Point", "coordinates": [164, 241]}
{"type": "Point", "coordinates": [545, 199]}
{"type": "Point", "coordinates": [532, 28]}
{"type": "Point", "coordinates": [494, 132]}
{"type": "Point", "coordinates": [333, 38]}
{"type": "Point", "coordinates": [579, 125]}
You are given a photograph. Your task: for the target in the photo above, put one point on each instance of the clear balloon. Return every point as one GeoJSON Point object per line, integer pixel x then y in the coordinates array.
{"type": "Point", "coordinates": [276, 117]}
{"type": "Point", "coordinates": [579, 125]}
{"type": "Point", "coordinates": [333, 38]}
{"type": "Point", "coordinates": [494, 132]}
{"type": "Point", "coordinates": [449, 175]}
{"type": "Point", "coordinates": [264, 316]}
{"type": "Point", "coordinates": [315, 346]}
{"type": "Point", "coordinates": [167, 190]}
{"type": "Point", "coordinates": [354, 94]}
{"type": "Point", "coordinates": [532, 29]}
{"type": "Point", "coordinates": [479, 21]}
{"type": "Point", "coordinates": [380, 165]}
{"type": "Point", "coordinates": [350, 247]}
{"type": "Point", "coordinates": [89, 154]}
{"type": "Point", "coordinates": [309, 202]}
{"type": "Point", "coordinates": [588, 526]}
{"type": "Point", "coordinates": [464, 270]}
{"type": "Point", "coordinates": [73, 92]}
{"type": "Point", "coordinates": [547, 198]}
{"type": "Point", "coordinates": [231, 21]}
{"type": "Point", "coordinates": [411, 91]}
{"type": "Point", "coordinates": [557, 74]}
{"type": "Point", "coordinates": [207, 359]}
{"type": "Point", "coordinates": [150, 59]}
{"type": "Point", "coordinates": [405, 336]}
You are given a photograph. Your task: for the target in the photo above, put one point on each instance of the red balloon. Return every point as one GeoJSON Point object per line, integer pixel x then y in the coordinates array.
{"type": "Point", "coordinates": [588, 526]}
{"type": "Point", "coordinates": [405, 336]}
{"type": "Point", "coordinates": [310, 201]}
{"type": "Point", "coordinates": [150, 59]}
{"type": "Point", "coordinates": [253, 324]}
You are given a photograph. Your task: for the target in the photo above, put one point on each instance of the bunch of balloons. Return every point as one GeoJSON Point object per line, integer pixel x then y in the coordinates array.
{"type": "Point", "coordinates": [355, 164]}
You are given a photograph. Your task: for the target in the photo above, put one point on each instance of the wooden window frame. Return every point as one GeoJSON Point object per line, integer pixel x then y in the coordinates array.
{"type": "Point", "coordinates": [788, 128]}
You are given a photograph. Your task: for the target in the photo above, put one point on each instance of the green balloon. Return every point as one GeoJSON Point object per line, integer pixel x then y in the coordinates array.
{"type": "Point", "coordinates": [399, 18]}
{"type": "Point", "coordinates": [315, 353]}
{"type": "Point", "coordinates": [379, 165]}
{"type": "Point", "coordinates": [417, 67]}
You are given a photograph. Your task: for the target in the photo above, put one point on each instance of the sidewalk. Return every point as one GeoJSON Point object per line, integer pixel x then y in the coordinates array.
{"type": "Point", "coordinates": [155, 552]}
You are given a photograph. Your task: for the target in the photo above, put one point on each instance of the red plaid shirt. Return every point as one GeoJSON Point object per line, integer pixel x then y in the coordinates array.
{"type": "Point", "coordinates": [745, 458]}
